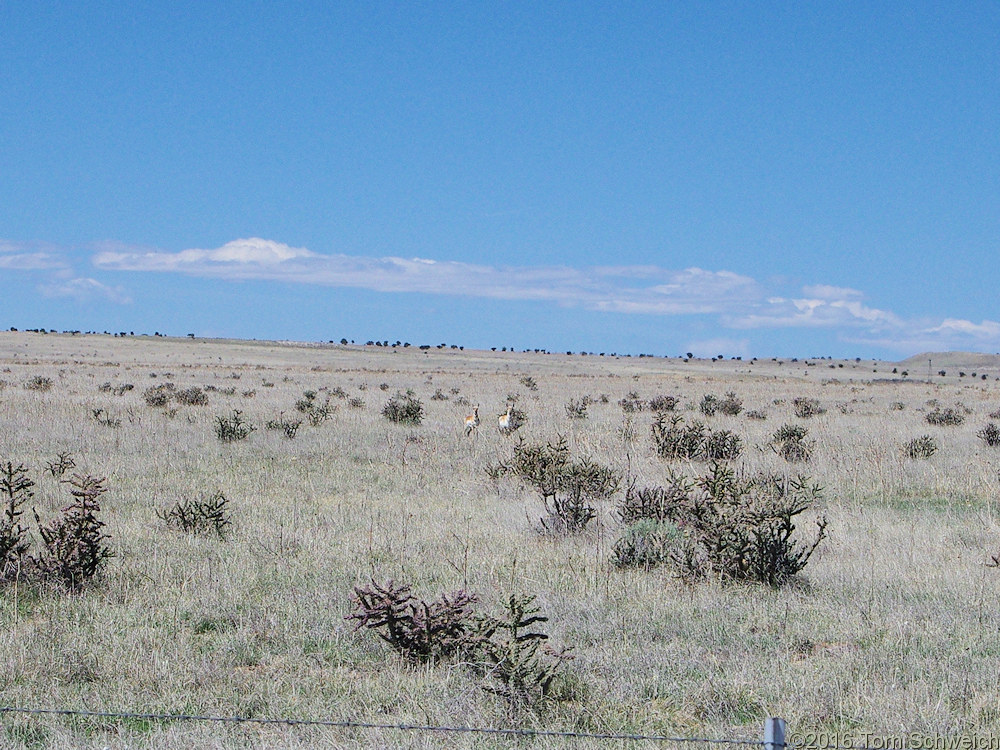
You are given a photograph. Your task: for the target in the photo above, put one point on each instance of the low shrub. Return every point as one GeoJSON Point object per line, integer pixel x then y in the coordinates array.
{"type": "Point", "coordinates": [990, 435]}
{"type": "Point", "coordinates": [509, 653]}
{"type": "Point", "coordinates": [721, 445]}
{"type": "Point", "coordinates": [15, 492]}
{"type": "Point", "coordinates": [288, 426]}
{"type": "Point", "coordinates": [672, 439]}
{"type": "Point", "coordinates": [807, 407]}
{"type": "Point", "coordinates": [741, 527]}
{"type": "Point", "coordinates": [922, 447]}
{"type": "Point", "coordinates": [207, 514]}
{"type": "Point", "coordinates": [731, 405]}
{"type": "Point", "coordinates": [417, 630]}
{"type": "Point", "coordinates": [316, 412]}
{"type": "Point", "coordinates": [404, 408]}
{"type": "Point", "coordinates": [567, 487]}
{"type": "Point", "coordinates": [38, 383]}
{"type": "Point", "coordinates": [664, 403]}
{"type": "Point", "coordinates": [159, 395]}
{"type": "Point", "coordinates": [947, 417]}
{"type": "Point", "coordinates": [233, 428]}
{"type": "Point", "coordinates": [193, 396]}
{"type": "Point", "coordinates": [74, 548]}
{"type": "Point", "coordinates": [789, 442]}
{"type": "Point", "coordinates": [709, 405]}
{"type": "Point", "coordinates": [577, 408]}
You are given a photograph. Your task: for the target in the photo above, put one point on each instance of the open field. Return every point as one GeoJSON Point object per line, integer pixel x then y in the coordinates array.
{"type": "Point", "coordinates": [893, 627]}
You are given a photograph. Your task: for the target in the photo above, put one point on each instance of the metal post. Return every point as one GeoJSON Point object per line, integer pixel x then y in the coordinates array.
{"type": "Point", "coordinates": [774, 734]}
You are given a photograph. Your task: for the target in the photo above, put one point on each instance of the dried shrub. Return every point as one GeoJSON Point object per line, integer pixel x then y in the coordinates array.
{"type": "Point", "coordinates": [193, 396]}
{"type": "Point", "coordinates": [356, 403]}
{"type": "Point", "coordinates": [74, 546]}
{"type": "Point", "coordinates": [947, 417]}
{"type": "Point", "coordinates": [664, 403]}
{"type": "Point", "coordinates": [418, 630]}
{"type": "Point", "coordinates": [104, 419]}
{"type": "Point", "coordinates": [508, 653]}
{"type": "Point", "coordinates": [15, 491]}
{"type": "Point", "coordinates": [159, 395]}
{"type": "Point", "coordinates": [38, 383]}
{"type": "Point", "coordinates": [731, 404]}
{"type": "Point", "coordinates": [789, 442]}
{"type": "Point", "coordinates": [922, 447]}
{"type": "Point", "coordinates": [439, 395]}
{"type": "Point", "coordinates": [63, 463]}
{"type": "Point", "coordinates": [404, 408]}
{"type": "Point", "coordinates": [897, 406]}
{"type": "Point", "coordinates": [118, 390]}
{"type": "Point", "coordinates": [233, 428]}
{"type": "Point", "coordinates": [990, 435]}
{"type": "Point", "coordinates": [807, 407]}
{"type": "Point", "coordinates": [206, 515]}
{"type": "Point", "coordinates": [757, 414]}
{"type": "Point", "coordinates": [529, 382]}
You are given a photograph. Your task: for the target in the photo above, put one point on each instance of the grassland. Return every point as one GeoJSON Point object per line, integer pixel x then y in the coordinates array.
{"type": "Point", "coordinates": [894, 626]}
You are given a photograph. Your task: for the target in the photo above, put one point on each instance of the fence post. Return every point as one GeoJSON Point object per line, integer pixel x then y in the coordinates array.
{"type": "Point", "coordinates": [774, 734]}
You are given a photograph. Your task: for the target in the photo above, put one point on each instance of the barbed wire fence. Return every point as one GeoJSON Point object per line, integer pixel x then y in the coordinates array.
{"type": "Point", "coordinates": [773, 736]}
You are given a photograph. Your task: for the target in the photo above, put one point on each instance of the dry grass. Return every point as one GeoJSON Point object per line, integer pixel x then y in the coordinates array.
{"type": "Point", "coordinates": [893, 628]}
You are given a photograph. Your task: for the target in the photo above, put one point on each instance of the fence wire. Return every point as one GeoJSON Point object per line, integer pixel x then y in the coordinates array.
{"type": "Point", "coordinates": [347, 724]}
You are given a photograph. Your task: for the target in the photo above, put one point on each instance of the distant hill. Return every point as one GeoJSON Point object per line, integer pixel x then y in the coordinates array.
{"type": "Point", "coordinates": [942, 360]}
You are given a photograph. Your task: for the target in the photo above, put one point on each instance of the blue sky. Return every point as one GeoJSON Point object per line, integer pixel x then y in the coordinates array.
{"type": "Point", "coordinates": [724, 178]}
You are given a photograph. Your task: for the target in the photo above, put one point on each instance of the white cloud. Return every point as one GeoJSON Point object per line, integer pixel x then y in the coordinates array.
{"type": "Point", "coordinates": [29, 257]}
{"type": "Point", "coordinates": [690, 291]}
{"type": "Point", "coordinates": [740, 302]}
{"type": "Point", "coordinates": [85, 290]}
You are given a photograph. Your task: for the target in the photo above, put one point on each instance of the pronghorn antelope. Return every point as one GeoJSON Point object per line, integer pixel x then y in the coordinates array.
{"type": "Point", "coordinates": [472, 421]}
{"type": "Point", "coordinates": [503, 421]}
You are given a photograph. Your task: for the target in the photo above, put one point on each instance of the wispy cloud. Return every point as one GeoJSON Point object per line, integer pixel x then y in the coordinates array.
{"type": "Point", "coordinates": [636, 289]}
{"type": "Point", "coordinates": [85, 290]}
{"type": "Point", "coordinates": [739, 302]}
{"type": "Point", "coordinates": [29, 257]}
